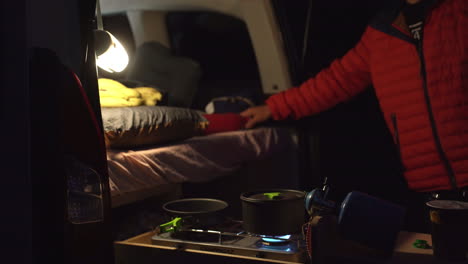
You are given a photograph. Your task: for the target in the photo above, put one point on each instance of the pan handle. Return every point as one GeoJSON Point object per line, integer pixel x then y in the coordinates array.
{"type": "Point", "coordinates": [272, 195]}
{"type": "Point", "coordinates": [171, 226]}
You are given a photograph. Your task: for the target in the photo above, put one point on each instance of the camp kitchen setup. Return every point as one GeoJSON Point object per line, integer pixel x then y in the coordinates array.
{"type": "Point", "coordinates": [137, 153]}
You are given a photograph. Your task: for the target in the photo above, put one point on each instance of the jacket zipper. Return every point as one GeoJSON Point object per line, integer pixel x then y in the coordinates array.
{"type": "Point", "coordinates": [442, 155]}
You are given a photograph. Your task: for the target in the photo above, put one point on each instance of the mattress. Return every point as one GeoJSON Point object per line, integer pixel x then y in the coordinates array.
{"type": "Point", "coordinates": [157, 169]}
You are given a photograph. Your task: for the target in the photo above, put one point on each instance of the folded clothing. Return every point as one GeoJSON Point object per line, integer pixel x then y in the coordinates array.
{"type": "Point", "coordinates": [224, 122]}
{"type": "Point", "coordinates": [115, 94]}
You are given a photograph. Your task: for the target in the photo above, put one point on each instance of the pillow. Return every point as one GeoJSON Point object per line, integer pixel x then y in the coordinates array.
{"type": "Point", "coordinates": [155, 65]}
{"type": "Point", "coordinates": [228, 104]}
{"type": "Point", "coordinates": [127, 127]}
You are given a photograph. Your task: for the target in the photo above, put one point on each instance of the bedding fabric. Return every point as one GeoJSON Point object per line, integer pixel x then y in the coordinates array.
{"type": "Point", "coordinates": [127, 127]}
{"type": "Point", "coordinates": [198, 159]}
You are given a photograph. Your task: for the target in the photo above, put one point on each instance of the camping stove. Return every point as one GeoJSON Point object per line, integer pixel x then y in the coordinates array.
{"type": "Point", "coordinates": [230, 240]}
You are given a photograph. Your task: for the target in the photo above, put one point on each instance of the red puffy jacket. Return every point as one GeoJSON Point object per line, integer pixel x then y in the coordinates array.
{"type": "Point", "coordinates": [423, 92]}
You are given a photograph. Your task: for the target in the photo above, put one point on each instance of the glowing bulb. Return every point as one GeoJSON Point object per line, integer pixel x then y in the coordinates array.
{"type": "Point", "coordinates": [115, 58]}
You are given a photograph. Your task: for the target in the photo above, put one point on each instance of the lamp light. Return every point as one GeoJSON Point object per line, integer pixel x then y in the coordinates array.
{"type": "Point", "coordinates": [111, 55]}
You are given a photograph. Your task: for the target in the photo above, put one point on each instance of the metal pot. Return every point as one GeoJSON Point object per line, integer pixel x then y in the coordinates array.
{"type": "Point", "coordinates": [194, 213]}
{"type": "Point", "coordinates": [273, 212]}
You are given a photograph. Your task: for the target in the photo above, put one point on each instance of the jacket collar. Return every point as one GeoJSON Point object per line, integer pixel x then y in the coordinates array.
{"type": "Point", "coordinates": [391, 14]}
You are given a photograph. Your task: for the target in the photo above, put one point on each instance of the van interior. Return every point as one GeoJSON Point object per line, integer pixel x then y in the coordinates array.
{"type": "Point", "coordinates": [200, 56]}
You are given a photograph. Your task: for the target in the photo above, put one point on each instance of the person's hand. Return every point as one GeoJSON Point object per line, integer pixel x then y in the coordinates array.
{"type": "Point", "coordinates": [256, 114]}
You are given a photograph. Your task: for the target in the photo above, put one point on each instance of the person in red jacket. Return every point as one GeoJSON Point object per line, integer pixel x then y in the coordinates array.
{"type": "Point", "coordinates": [415, 55]}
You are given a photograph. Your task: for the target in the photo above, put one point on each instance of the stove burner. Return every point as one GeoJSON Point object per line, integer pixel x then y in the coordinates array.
{"type": "Point", "coordinates": [275, 240]}
{"type": "Point", "coordinates": [204, 236]}
{"type": "Point", "coordinates": [283, 249]}
{"type": "Point", "coordinates": [195, 236]}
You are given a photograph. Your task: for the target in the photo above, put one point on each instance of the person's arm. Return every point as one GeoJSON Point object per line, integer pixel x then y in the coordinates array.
{"type": "Point", "coordinates": [344, 78]}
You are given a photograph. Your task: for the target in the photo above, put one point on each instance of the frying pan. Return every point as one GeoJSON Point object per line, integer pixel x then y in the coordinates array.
{"type": "Point", "coordinates": [193, 213]}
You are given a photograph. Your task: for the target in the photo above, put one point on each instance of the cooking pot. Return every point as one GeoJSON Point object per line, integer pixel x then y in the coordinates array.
{"type": "Point", "coordinates": [273, 212]}
{"type": "Point", "coordinates": [193, 213]}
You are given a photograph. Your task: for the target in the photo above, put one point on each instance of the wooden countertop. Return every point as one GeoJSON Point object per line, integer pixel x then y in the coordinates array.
{"type": "Point", "coordinates": [331, 246]}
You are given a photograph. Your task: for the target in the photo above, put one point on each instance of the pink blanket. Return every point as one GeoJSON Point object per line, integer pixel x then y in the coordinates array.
{"type": "Point", "coordinates": [197, 159]}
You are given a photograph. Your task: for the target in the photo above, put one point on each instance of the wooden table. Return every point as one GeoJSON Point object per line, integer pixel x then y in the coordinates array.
{"type": "Point", "coordinates": [331, 248]}
{"type": "Point", "coordinates": [328, 248]}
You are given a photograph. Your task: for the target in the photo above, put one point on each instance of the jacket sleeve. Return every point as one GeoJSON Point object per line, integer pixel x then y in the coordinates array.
{"type": "Point", "coordinates": [343, 79]}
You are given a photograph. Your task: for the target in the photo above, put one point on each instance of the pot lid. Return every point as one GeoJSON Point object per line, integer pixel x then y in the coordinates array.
{"type": "Point", "coordinates": [448, 204]}
{"type": "Point", "coordinates": [273, 195]}
{"type": "Point", "coordinates": [192, 206]}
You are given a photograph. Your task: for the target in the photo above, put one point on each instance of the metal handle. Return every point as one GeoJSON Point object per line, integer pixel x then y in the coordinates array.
{"type": "Point", "coordinates": [316, 200]}
{"type": "Point", "coordinates": [171, 226]}
{"type": "Point", "coordinates": [272, 195]}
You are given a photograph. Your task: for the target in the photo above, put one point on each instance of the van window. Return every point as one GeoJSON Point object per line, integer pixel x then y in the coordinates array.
{"type": "Point", "coordinates": [222, 46]}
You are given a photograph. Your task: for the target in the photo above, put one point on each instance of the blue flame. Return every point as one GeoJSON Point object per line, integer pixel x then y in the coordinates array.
{"type": "Point", "coordinates": [275, 239]}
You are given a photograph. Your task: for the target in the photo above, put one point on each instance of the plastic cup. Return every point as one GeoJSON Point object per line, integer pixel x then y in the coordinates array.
{"type": "Point", "coordinates": [449, 224]}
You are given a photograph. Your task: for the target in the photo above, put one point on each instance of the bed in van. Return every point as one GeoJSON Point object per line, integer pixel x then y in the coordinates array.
{"type": "Point", "coordinates": [200, 54]}
{"type": "Point", "coordinates": [207, 58]}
